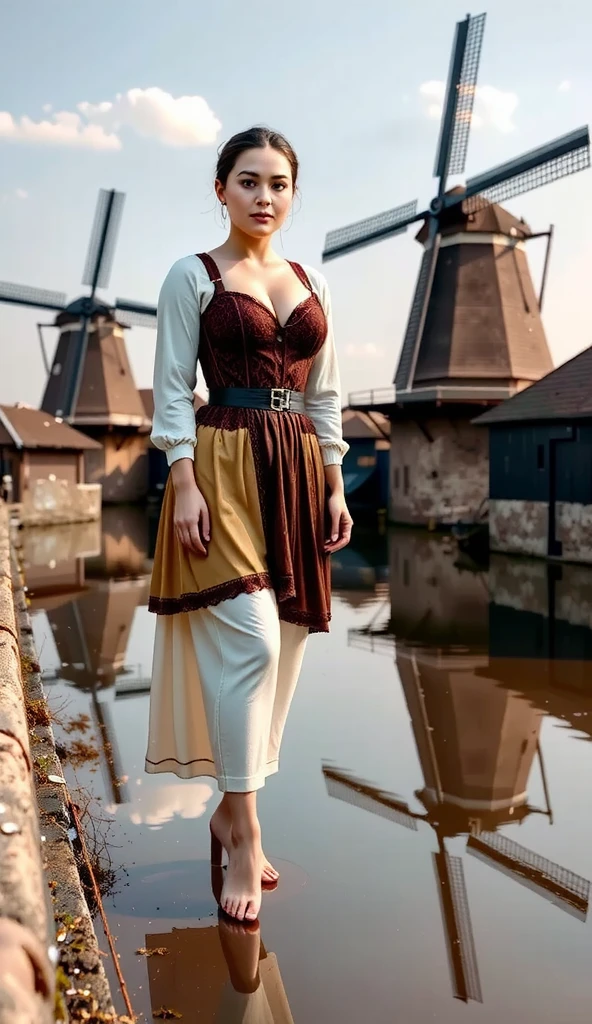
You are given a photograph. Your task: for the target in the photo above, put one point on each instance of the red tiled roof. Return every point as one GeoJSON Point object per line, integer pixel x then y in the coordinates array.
{"type": "Point", "coordinates": [23, 427]}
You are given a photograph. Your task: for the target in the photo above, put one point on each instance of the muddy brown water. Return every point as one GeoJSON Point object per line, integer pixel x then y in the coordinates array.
{"type": "Point", "coordinates": [432, 818]}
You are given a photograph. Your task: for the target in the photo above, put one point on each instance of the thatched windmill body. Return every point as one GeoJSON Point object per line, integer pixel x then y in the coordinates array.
{"type": "Point", "coordinates": [474, 334]}
{"type": "Point", "coordinates": [90, 383]}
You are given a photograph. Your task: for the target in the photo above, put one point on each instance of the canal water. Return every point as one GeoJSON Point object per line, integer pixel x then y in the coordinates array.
{"type": "Point", "coordinates": [432, 818]}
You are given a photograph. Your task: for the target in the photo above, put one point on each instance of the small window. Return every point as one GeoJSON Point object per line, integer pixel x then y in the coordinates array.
{"type": "Point", "coordinates": [540, 456]}
{"type": "Point", "coordinates": [406, 479]}
{"type": "Point", "coordinates": [397, 478]}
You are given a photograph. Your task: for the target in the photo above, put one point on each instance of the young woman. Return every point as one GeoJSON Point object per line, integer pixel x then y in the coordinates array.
{"type": "Point", "coordinates": [254, 504]}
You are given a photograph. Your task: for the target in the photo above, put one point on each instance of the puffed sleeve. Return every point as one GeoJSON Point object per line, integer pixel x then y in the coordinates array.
{"type": "Point", "coordinates": [322, 395]}
{"type": "Point", "coordinates": [175, 364]}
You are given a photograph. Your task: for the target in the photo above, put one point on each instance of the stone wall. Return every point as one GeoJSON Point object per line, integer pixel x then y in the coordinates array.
{"type": "Point", "coordinates": [519, 527]}
{"type": "Point", "coordinates": [523, 584]}
{"type": "Point", "coordinates": [573, 527]}
{"type": "Point", "coordinates": [439, 471]}
{"type": "Point", "coordinates": [51, 501]}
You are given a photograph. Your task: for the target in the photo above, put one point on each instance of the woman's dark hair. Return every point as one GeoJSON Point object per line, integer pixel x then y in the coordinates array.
{"type": "Point", "coordinates": [253, 138]}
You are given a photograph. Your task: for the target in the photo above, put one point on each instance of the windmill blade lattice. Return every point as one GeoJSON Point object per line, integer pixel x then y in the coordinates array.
{"type": "Point", "coordinates": [458, 102]}
{"type": "Point", "coordinates": [557, 159]}
{"type": "Point", "coordinates": [99, 260]}
{"type": "Point", "coordinates": [466, 95]}
{"type": "Point", "coordinates": [357, 793]}
{"type": "Point", "coordinates": [23, 295]}
{"type": "Point", "coordinates": [371, 229]}
{"type": "Point", "coordinates": [135, 314]}
{"type": "Point", "coordinates": [564, 885]}
{"type": "Point", "coordinates": [417, 315]}
{"type": "Point", "coordinates": [450, 879]}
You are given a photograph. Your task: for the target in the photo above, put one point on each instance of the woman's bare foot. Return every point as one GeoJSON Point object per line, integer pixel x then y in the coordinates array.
{"type": "Point", "coordinates": [221, 825]}
{"type": "Point", "coordinates": [241, 892]}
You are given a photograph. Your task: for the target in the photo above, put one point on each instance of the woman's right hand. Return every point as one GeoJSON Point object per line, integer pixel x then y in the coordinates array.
{"type": "Point", "coordinates": [192, 516]}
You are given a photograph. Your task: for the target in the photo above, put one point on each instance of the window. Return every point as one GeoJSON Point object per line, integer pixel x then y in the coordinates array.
{"type": "Point", "coordinates": [396, 479]}
{"type": "Point", "coordinates": [406, 479]}
{"type": "Point", "coordinates": [540, 456]}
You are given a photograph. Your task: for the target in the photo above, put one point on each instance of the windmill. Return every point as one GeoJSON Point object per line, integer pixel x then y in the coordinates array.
{"type": "Point", "coordinates": [473, 786]}
{"type": "Point", "coordinates": [477, 740]}
{"type": "Point", "coordinates": [90, 382]}
{"type": "Point", "coordinates": [474, 334]}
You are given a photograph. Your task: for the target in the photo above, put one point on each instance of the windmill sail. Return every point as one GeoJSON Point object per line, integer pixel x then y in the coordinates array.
{"type": "Point", "coordinates": [457, 927]}
{"type": "Point", "coordinates": [99, 259]}
{"type": "Point", "coordinates": [370, 230]}
{"type": "Point", "coordinates": [563, 156]}
{"type": "Point", "coordinates": [415, 324]}
{"type": "Point", "coordinates": [24, 295]}
{"type": "Point", "coordinates": [460, 95]}
{"type": "Point", "coordinates": [567, 890]}
{"type": "Point", "coordinates": [358, 793]}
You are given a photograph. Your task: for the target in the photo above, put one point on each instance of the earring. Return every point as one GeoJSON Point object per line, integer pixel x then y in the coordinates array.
{"type": "Point", "coordinates": [224, 212]}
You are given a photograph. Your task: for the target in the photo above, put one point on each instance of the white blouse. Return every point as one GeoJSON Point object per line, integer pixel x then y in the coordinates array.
{"type": "Point", "coordinates": [186, 292]}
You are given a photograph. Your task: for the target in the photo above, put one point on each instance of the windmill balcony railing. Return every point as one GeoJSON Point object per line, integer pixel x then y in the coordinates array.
{"type": "Point", "coordinates": [374, 396]}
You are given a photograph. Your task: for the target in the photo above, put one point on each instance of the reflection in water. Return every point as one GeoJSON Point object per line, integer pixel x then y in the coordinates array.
{"type": "Point", "coordinates": [483, 661]}
{"type": "Point", "coordinates": [218, 974]}
{"type": "Point", "coordinates": [476, 736]}
{"type": "Point", "coordinates": [99, 580]}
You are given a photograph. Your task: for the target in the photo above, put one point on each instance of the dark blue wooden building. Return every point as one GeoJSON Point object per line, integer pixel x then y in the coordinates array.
{"type": "Point", "coordinates": [540, 466]}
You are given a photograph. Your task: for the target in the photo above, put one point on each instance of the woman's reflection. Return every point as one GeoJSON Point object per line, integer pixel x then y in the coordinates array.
{"type": "Point", "coordinates": [218, 974]}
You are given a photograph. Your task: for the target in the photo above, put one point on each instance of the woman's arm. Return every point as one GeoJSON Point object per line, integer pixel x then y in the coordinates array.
{"type": "Point", "coordinates": [175, 375]}
{"type": "Point", "coordinates": [322, 399]}
{"type": "Point", "coordinates": [175, 363]}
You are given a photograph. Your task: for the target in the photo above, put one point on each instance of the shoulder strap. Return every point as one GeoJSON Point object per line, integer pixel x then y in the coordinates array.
{"type": "Point", "coordinates": [212, 269]}
{"type": "Point", "coordinates": [301, 273]}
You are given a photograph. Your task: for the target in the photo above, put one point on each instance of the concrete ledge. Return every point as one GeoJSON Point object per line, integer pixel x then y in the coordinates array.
{"type": "Point", "coordinates": [39, 879]}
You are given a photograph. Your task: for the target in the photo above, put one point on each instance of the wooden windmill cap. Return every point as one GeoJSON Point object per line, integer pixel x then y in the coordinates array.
{"type": "Point", "coordinates": [491, 219]}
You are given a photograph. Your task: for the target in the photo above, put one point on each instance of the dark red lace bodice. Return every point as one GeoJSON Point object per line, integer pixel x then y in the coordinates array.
{"type": "Point", "coordinates": [242, 343]}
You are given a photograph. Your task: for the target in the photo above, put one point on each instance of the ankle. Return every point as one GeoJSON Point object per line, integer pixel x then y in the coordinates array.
{"type": "Point", "coordinates": [246, 832]}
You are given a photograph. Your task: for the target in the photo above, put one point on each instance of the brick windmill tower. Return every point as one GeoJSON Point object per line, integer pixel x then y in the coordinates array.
{"type": "Point", "coordinates": [474, 335]}
{"type": "Point", "coordinates": [90, 383]}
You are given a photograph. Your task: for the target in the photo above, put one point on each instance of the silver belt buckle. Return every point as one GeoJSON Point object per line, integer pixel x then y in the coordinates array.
{"type": "Point", "coordinates": [280, 399]}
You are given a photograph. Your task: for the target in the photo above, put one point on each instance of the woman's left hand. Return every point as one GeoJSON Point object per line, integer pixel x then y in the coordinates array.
{"type": "Point", "coordinates": [341, 523]}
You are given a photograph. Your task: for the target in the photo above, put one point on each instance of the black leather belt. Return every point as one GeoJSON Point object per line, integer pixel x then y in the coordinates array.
{"type": "Point", "coordinates": [279, 399]}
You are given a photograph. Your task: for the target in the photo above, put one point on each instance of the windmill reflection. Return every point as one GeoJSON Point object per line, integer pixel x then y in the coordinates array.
{"type": "Point", "coordinates": [90, 598]}
{"type": "Point", "coordinates": [476, 736]}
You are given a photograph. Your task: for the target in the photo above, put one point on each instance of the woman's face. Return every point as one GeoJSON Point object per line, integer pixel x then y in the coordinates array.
{"type": "Point", "coordinates": [259, 183]}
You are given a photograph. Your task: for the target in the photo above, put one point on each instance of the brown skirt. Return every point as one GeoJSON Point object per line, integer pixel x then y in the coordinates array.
{"type": "Point", "coordinates": [262, 475]}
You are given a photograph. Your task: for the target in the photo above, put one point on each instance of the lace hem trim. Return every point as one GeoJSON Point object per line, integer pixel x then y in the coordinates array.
{"type": "Point", "coordinates": [316, 623]}
{"type": "Point", "coordinates": [210, 596]}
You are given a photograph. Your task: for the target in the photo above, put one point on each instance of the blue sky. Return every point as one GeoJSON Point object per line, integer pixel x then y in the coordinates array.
{"type": "Point", "coordinates": [349, 86]}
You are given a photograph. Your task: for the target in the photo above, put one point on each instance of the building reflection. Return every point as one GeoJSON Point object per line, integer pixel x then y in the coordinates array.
{"type": "Point", "coordinates": [90, 583]}
{"type": "Point", "coordinates": [482, 657]}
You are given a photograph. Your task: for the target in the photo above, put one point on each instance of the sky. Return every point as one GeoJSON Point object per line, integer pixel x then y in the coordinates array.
{"type": "Point", "coordinates": [138, 95]}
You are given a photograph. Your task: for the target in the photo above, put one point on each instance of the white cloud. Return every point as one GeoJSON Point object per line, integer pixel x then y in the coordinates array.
{"type": "Point", "coordinates": [182, 121]}
{"type": "Point", "coordinates": [493, 107]}
{"type": "Point", "coordinates": [155, 114]}
{"type": "Point", "coordinates": [47, 108]}
{"type": "Point", "coordinates": [367, 351]}
{"type": "Point", "coordinates": [64, 129]}
{"type": "Point", "coordinates": [21, 193]}
{"type": "Point", "coordinates": [564, 86]}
